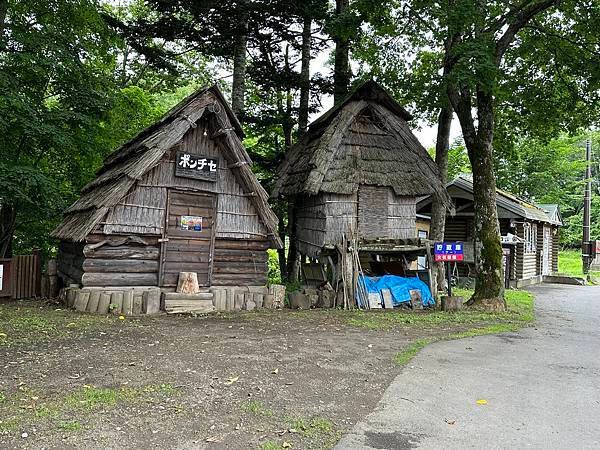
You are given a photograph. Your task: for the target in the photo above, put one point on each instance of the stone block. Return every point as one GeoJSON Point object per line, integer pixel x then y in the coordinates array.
{"type": "Point", "coordinates": [151, 301]}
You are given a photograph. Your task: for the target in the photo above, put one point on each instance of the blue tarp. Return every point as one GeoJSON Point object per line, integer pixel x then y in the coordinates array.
{"type": "Point", "coordinates": [400, 288]}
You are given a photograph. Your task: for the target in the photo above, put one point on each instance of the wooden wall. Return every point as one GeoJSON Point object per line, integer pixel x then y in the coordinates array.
{"type": "Point", "coordinates": [341, 215]}
{"type": "Point", "coordinates": [127, 264]}
{"type": "Point", "coordinates": [526, 263]}
{"type": "Point", "coordinates": [310, 224]}
{"type": "Point", "coordinates": [240, 262]}
{"type": "Point", "coordinates": [142, 210]}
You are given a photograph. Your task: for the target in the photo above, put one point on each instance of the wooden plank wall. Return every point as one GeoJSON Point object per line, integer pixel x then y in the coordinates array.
{"type": "Point", "coordinates": [240, 262]}
{"type": "Point", "coordinates": [142, 210]}
{"type": "Point", "coordinates": [130, 264]}
{"type": "Point", "coordinates": [26, 276]}
{"type": "Point", "coordinates": [341, 213]}
{"type": "Point", "coordinates": [401, 216]}
{"type": "Point", "coordinates": [311, 224]}
{"type": "Point", "coordinates": [555, 249]}
{"type": "Point", "coordinates": [70, 262]}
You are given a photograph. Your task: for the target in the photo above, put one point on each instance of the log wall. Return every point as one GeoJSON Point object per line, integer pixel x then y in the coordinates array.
{"type": "Point", "coordinates": [127, 264]}
{"type": "Point", "coordinates": [526, 263]}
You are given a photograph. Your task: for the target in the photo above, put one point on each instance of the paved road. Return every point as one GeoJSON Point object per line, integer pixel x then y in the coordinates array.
{"type": "Point", "coordinates": [542, 386]}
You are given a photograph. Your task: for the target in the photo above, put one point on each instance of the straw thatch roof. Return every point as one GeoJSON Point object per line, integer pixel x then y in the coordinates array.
{"type": "Point", "coordinates": [365, 139]}
{"type": "Point", "coordinates": [128, 164]}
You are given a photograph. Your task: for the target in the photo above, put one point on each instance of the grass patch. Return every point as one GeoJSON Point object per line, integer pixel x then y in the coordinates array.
{"type": "Point", "coordinates": [257, 408]}
{"type": "Point", "coordinates": [270, 445]}
{"type": "Point", "coordinates": [29, 322]}
{"type": "Point", "coordinates": [69, 425]}
{"type": "Point", "coordinates": [411, 351]}
{"type": "Point", "coordinates": [27, 408]}
{"type": "Point", "coordinates": [570, 263]}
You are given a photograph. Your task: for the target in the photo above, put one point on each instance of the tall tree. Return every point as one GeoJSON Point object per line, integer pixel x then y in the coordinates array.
{"type": "Point", "coordinates": [341, 38]}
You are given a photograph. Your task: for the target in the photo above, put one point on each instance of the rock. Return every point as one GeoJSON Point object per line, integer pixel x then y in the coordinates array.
{"type": "Point", "coordinates": [299, 300]}
{"type": "Point", "coordinates": [453, 303]}
{"type": "Point", "coordinates": [268, 301]}
{"type": "Point", "coordinates": [151, 301]}
{"type": "Point", "coordinates": [326, 299]}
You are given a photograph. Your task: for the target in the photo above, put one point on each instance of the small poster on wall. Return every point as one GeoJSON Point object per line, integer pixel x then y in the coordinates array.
{"type": "Point", "coordinates": [191, 223]}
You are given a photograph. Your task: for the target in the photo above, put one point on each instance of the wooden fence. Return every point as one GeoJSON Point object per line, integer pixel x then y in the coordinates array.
{"type": "Point", "coordinates": [21, 276]}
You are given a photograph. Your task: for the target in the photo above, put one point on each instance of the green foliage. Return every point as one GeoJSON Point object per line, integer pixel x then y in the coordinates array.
{"type": "Point", "coordinates": [273, 262]}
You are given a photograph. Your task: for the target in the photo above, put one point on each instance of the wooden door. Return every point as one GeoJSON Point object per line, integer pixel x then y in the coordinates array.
{"type": "Point", "coordinates": [188, 244]}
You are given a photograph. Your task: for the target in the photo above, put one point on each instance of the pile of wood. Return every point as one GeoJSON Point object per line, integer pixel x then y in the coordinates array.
{"type": "Point", "coordinates": [128, 302]}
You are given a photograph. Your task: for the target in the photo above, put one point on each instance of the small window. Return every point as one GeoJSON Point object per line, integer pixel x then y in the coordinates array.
{"type": "Point", "coordinates": [530, 236]}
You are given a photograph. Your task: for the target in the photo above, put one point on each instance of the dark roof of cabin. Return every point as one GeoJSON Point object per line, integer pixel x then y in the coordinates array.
{"type": "Point", "coordinates": [128, 164]}
{"type": "Point", "coordinates": [364, 139]}
{"type": "Point", "coordinates": [505, 200]}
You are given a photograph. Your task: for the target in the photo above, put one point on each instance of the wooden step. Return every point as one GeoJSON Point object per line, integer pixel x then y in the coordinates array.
{"type": "Point", "coordinates": [192, 297]}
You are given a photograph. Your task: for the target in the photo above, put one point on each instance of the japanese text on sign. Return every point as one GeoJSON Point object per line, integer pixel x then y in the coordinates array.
{"type": "Point", "coordinates": [448, 251]}
{"type": "Point", "coordinates": [196, 166]}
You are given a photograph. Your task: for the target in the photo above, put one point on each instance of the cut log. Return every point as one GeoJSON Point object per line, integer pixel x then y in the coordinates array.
{"type": "Point", "coordinates": [92, 305]}
{"type": "Point", "coordinates": [137, 304]}
{"type": "Point", "coordinates": [278, 293]}
{"type": "Point", "coordinates": [81, 300]}
{"type": "Point", "coordinates": [453, 303]}
{"type": "Point", "coordinates": [151, 302]}
{"type": "Point", "coordinates": [188, 283]}
{"type": "Point", "coordinates": [116, 303]}
{"type": "Point", "coordinates": [127, 303]}
{"type": "Point", "coordinates": [415, 299]}
{"type": "Point", "coordinates": [104, 303]}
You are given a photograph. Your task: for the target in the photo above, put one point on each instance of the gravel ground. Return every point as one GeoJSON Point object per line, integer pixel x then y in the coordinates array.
{"type": "Point", "coordinates": [266, 380]}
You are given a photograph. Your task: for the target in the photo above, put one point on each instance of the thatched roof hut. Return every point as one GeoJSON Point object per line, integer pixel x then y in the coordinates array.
{"type": "Point", "coordinates": [358, 169]}
{"type": "Point", "coordinates": [180, 196]}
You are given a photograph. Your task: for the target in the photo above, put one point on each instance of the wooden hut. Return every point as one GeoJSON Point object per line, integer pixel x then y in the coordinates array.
{"type": "Point", "coordinates": [530, 233]}
{"type": "Point", "coordinates": [355, 175]}
{"type": "Point", "coordinates": [179, 197]}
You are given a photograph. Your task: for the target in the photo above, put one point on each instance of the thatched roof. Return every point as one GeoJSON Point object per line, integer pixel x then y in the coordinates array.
{"type": "Point", "coordinates": [364, 139]}
{"type": "Point", "coordinates": [128, 164]}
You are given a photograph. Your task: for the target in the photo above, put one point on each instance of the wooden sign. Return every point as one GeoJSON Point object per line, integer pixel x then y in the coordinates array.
{"type": "Point", "coordinates": [196, 166]}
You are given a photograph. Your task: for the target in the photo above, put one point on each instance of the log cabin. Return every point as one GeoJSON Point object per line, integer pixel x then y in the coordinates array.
{"type": "Point", "coordinates": [178, 197]}
{"type": "Point", "coordinates": [355, 176]}
{"type": "Point", "coordinates": [530, 233]}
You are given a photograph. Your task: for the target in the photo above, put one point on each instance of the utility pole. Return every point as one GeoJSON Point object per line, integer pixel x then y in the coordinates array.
{"type": "Point", "coordinates": [587, 205]}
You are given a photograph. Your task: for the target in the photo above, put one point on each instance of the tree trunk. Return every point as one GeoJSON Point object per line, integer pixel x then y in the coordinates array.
{"type": "Point", "coordinates": [341, 68]}
{"type": "Point", "coordinates": [238, 88]}
{"type": "Point", "coordinates": [8, 222]}
{"type": "Point", "coordinates": [303, 108]}
{"type": "Point", "coordinates": [293, 260]}
{"type": "Point", "coordinates": [438, 209]}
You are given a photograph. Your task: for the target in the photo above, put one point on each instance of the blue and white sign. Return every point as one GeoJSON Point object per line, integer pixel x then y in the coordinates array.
{"type": "Point", "coordinates": [449, 251]}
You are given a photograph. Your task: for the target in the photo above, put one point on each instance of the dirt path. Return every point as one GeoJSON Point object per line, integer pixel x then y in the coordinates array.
{"type": "Point", "coordinates": [257, 380]}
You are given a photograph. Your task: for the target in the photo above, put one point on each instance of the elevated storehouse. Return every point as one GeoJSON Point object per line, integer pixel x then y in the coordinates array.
{"type": "Point", "coordinates": [356, 175]}
{"type": "Point", "coordinates": [530, 233]}
{"type": "Point", "coordinates": [179, 197]}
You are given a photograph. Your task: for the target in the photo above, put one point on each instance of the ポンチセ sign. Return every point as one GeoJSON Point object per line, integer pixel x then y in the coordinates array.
{"type": "Point", "coordinates": [448, 251]}
{"type": "Point", "coordinates": [196, 166]}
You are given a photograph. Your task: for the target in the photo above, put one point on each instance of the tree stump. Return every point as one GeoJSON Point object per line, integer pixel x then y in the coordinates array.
{"type": "Point", "coordinates": [188, 283]}
{"type": "Point", "coordinates": [453, 303]}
